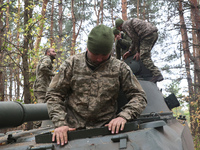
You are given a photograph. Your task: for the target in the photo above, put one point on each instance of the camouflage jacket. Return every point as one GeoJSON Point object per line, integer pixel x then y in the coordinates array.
{"type": "Point", "coordinates": [122, 45]}
{"type": "Point", "coordinates": [43, 74]}
{"type": "Point", "coordinates": [83, 98]}
{"type": "Point", "coordinates": [137, 29]}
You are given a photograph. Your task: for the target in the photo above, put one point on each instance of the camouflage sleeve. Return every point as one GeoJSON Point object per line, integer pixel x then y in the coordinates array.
{"type": "Point", "coordinates": [129, 29]}
{"type": "Point", "coordinates": [126, 42]}
{"type": "Point", "coordinates": [46, 66]}
{"type": "Point", "coordinates": [56, 94]}
{"type": "Point", "coordinates": [134, 93]}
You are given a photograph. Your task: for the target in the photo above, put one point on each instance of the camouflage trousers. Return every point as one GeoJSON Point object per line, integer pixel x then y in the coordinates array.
{"type": "Point", "coordinates": [40, 96]}
{"type": "Point", "coordinates": [146, 46]}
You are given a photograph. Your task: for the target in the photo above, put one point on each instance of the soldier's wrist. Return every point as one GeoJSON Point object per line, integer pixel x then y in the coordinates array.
{"type": "Point", "coordinates": [59, 124]}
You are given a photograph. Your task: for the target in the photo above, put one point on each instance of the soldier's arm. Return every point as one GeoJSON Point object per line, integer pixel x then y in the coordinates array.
{"type": "Point", "coordinates": [126, 41]}
{"type": "Point", "coordinates": [129, 29]}
{"type": "Point", "coordinates": [118, 52]}
{"type": "Point", "coordinates": [134, 92]}
{"type": "Point", "coordinates": [56, 94]}
{"type": "Point", "coordinates": [46, 66]}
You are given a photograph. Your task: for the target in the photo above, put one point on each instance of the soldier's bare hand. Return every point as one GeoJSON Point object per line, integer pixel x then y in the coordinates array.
{"type": "Point", "coordinates": [136, 56]}
{"type": "Point", "coordinates": [60, 134]}
{"type": "Point", "coordinates": [116, 124]}
{"type": "Point", "coordinates": [118, 37]}
{"type": "Point", "coordinates": [126, 55]}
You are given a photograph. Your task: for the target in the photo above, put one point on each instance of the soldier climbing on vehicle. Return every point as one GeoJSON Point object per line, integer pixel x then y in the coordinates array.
{"type": "Point", "coordinates": [143, 35]}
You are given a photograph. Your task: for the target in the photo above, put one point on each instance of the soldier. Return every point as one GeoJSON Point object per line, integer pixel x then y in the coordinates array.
{"type": "Point", "coordinates": [143, 35]}
{"type": "Point", "coordinates": [44, 74]}
{"type": "Point", "coordinates": [90, 83]}
{"type": "Point", "coordinates": [122, 43]}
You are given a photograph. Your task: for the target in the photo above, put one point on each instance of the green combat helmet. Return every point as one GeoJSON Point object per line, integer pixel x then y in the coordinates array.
{"type": "Point", "coordinates": [118, 22]}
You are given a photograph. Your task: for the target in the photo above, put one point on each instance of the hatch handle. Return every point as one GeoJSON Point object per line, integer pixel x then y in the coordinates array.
{"type": "Point", "coordinates": [122, 139]}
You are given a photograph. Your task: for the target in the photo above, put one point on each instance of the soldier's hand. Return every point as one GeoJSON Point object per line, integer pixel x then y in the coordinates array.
{"type": "Point", "coordinates": [126, 55]}
{"type": "Point", "coordinates": [118, 37]}
{"type": "Point", "coordinates": [60, 134]}
{"type": "Point", "coordinates": [116, 124]}
{"type": "Point", "coordinates": [136, 56]}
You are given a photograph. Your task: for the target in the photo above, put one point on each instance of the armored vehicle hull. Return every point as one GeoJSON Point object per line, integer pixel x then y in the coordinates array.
{"type": "Point", "coordinates": [155, 129]}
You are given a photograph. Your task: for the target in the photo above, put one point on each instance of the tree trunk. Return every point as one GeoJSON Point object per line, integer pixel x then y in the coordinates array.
{"type": "Point", "coordinates": [25, 71]}
{"type": "Point", "coordinates": [11, 82]}
{"type": "Point", "coordinates": [196, 13]}
{"type": "Point", "coordinates": [10, 66]}
{"type": "Point", "coordinates": [60, 24]}
{"type": "Point", "coordinates": [138, 5]}
{"type": "Point", "coordinates": [74, 34]}
{"type": "Point", "coordinates": [185, 47]}
{"type": "Point", "coordinates": [74, 29]}
{"type": "Point", "coordinates": [44, 5]}
{"type": "Point", "coordinates": [144, 12]}
{"type": "Point", "coordinates": [101, 9]}
{"type": "Point", "coordinates": [1, 57]}
{"type": "Point", "coordinates": [51, 31]}
{"type": "Point", "coordinates": [18, 57]}
{"type": "Point", "coordinates": [192, 97]}
{"type": "Point", "coordinates": [124, 9]}
{"type": "Point", "coordinates": [1, 83]}
{"type": "Point", "coordinates": [112, 17]}
{"type": "Point", "coordinates": [196, 53]}
{"type": "Point", "coordinates": [97, 14]}
{"type": "Point", "coordinates": [7, 17]}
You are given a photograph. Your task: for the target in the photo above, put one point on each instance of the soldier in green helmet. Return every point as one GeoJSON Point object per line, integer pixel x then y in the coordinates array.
{"type": "Point", "coordinates": [144, 35]}
{"type": "Point", "coordinates": [122, 43]}
{"type": "Point", "coordinates": [83, 94]}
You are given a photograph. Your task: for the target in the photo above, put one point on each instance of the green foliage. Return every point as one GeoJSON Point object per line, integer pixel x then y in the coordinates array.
{"type": "Point", "coordinates": [20, 100]}
{"type": "Point", "coordinates": [147, 9]}
{"type": "Point", "coordinates": [32, 78]}
{"type": "Point", "coordinates": [183, 109]}
{"type": "Point", "coordinates": [174, 87]}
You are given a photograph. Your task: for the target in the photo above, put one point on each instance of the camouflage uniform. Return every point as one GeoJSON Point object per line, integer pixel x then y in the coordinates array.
{"type": "Point", "coordinates": [90, 95]}
{"type": "Point", "coordinates": [143, 35]}
{"type": "Point", "coordinates": [44, 74]}
{"type": "Point", "coordinates": [43, 78]}
{"type": "Point", "coordinates": [122, 45]}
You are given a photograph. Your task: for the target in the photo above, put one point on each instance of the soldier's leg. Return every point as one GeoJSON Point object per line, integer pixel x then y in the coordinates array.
{"type": "Point", "coordinates": [148, 63]}
{"type": "Point", "coordinates": [145, 52]}
{"type": "Point", "coordinates": [40, 96]}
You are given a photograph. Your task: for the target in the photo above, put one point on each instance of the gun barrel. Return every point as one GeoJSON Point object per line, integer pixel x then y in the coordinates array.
{"type": "Point", "coordinates": [13, 114]}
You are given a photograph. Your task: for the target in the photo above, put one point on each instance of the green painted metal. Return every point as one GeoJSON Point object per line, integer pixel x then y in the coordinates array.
{"type": "Point", "coordinates": [13, 114]}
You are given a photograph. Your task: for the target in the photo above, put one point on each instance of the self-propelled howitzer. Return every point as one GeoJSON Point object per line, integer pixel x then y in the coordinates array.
{"type": "Point", "coordinates": [155, 129]}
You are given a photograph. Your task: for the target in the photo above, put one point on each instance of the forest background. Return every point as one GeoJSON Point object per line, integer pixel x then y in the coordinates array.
{"type": "Point", "coordinates": [27, 27]}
